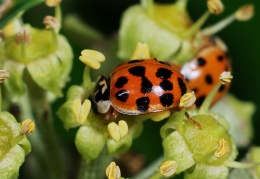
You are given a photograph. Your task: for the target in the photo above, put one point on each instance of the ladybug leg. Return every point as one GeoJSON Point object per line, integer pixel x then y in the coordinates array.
{"type": "Point", "coordinates": [111, 114]}
{"type": "Point", "coordinates": [197, 125]}
{"type": "Point", "coordinates": [115, 115]}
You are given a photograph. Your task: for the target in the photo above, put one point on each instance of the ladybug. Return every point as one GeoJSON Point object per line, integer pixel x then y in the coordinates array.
{"type": "Point", "coordinates": [140, 87]}
{"type": "Point", "coordinates": [203, 71]}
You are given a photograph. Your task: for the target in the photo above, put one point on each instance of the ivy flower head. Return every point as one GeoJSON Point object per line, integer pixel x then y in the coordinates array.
{"type": "Point", "coordinates": [35, 56]}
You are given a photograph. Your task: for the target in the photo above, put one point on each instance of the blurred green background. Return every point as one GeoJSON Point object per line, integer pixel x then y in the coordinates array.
{"type": "Point", "coordinates": [242, 39]}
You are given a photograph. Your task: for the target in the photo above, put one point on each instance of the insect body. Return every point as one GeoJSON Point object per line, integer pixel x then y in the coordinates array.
{"type": "Point", "coordinates": [202, 72]}
{"type": "Point", "coordinates": [142, 86]}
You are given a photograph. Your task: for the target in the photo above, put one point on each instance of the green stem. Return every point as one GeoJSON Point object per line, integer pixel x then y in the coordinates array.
{"type": "Point", "coordinates": [35, 139]}
{"type": "Point", "coordinates": [43, 114]}
{"type": "Point", "coordinates": [207, 102]}
{"type": "Point", "coordinates": [151, 170]}
{"type": "Point", "coordinates": [209, 31]}
{"type": "Point", "coordinates": [235, 164]}
{"type": "Point", "coordinates": [0, 98]}
{"type": "Point", "coordinates": [58, 14]}
{"type": "Point", "coordinates": [196, 26]}
{"type": "Point", "coordinates": [95, 168]}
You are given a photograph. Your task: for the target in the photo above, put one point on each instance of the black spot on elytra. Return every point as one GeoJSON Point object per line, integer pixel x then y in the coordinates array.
{"type": "Point", "coordinates": [166, 99]}
{"type": "Point", "coordinates": [208, 79]}
{"type": "Point", "coordinates": [200, 100]}
{"type": "Point", "coordinates": [182, 86]}
{"type": "Point", "coordinates": [122, 95]}
{"type": "Point", "coordinates": [121, 81]}
{"type": "Point", "coordinates": [222, 87]}
{"type": "Point", "coordinates": [142, 104]}
{"type": "Point", "coordinates": [146, 85]}
{"type": "Point", "coordinates": [220, 58]}
{"type": "Point", "coordinates": [134, 61]}
{"type": "Point", "coordinates": [137, 70]}
{"type": "Point", "coordinates": [201, 61]}
{"type": "Point", "coordinates": [166, 85]}
{"type": "Point", "coordinates": [163, 73]}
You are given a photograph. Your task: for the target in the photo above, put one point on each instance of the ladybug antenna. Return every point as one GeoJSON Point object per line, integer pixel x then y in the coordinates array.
{"type": "Point", "coordinates": [243, 13]}
{"type": "Point", "coordinates": [224, 78]}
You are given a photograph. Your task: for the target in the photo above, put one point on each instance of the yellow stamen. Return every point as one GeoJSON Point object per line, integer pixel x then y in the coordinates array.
{"type": "Point", "coordinates": [5, 6]}
{"type": "Point", "coordinates": [168, 168]}
{"type": "Point", "coordinates": [51, 22]}
{"type": "Point", "coordinates": [3, 75]}
{"type": "Point", "coordinates": [215, 6]}
{"type": "Point", "coordinates": [245, 13]}
{"type": "Point", "coordinates": [113, 171]}
{"type": "Point", "coordinates": [158, 116]}
{"type": "Point", "coordinates": [225, 77]}
{"type": "Point", "coordinates": [52, 3]}
{"type": "Point", "coordinates": [222, 148]}
{"type": "Point", "coordinates": [28, 126]}
{"type": "Point", "coordinates": [81, 111]}
{"type": "Point", "coordinates": [118, 132]}
{"type": "Point", "coordinates": [141, 52]}
{"type": "Point", "coordinates": [23, 37]}
{"type": "Point", "coordinates": [187, 100]}
{"type": "Point", "coordinates": [92, 58]}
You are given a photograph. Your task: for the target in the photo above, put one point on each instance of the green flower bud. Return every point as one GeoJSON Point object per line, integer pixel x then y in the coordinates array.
{"type": "Point", "coordinates": [47, 57]}
{"type": "Point", "coordinates": [12, 155]}
{"type": "Point", "coordinates": [239, 115]}
{"type": "Point", "coordinates": [90, 141]}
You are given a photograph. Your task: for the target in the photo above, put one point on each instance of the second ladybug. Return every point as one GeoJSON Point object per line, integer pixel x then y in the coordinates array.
{"type": "Point", "coordinates": [203, 71]}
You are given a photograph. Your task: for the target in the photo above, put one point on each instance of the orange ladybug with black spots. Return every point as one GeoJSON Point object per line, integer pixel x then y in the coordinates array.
{"type": "Point", "coordinates": [141, 87]}
{"type": "Point", "coordinates": [203, 71]}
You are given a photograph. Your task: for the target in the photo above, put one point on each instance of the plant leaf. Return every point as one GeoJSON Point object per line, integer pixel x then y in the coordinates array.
{"type": "Point", "coordinates": [18, 7]}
